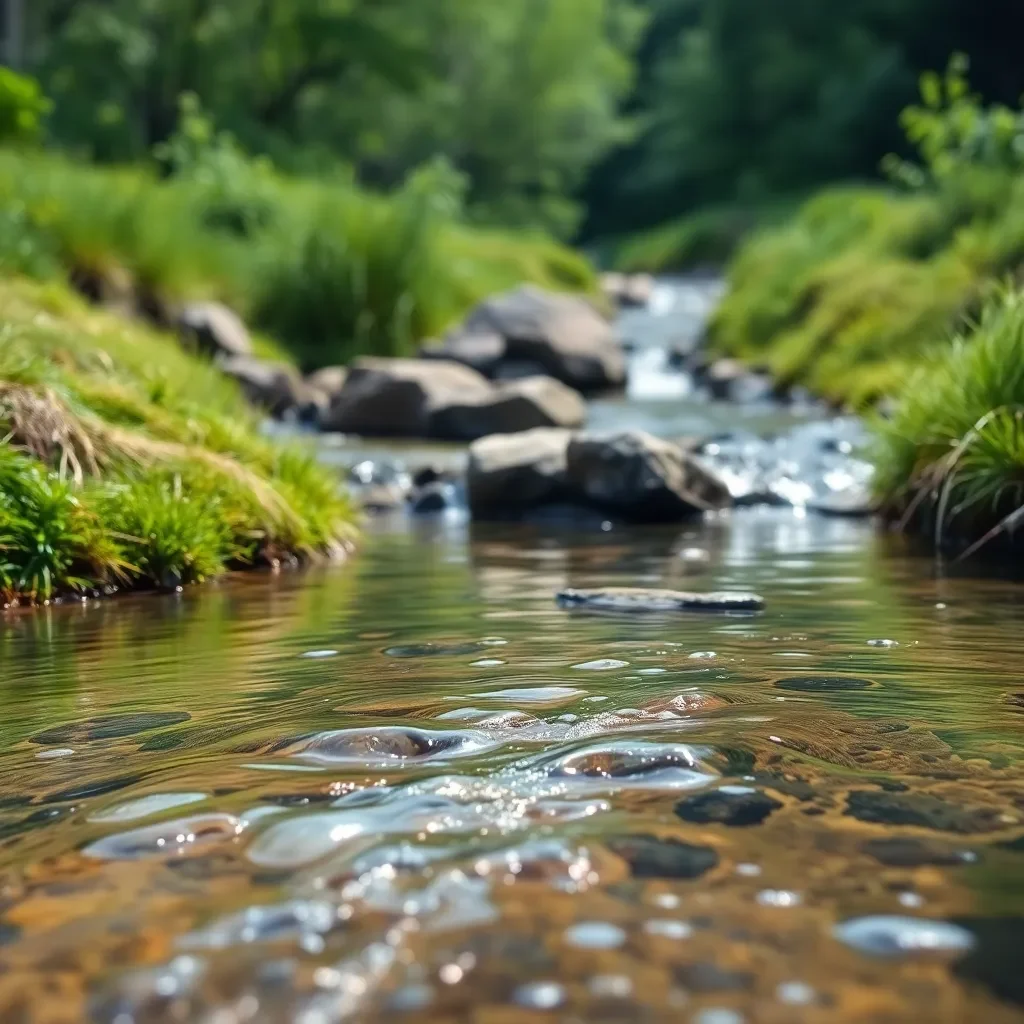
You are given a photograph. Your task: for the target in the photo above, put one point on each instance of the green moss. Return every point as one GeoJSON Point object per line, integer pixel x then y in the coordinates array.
{"type": "Point", "coordinates": [129, 462]}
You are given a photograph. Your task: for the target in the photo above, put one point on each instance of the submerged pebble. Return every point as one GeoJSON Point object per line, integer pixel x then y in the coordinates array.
{"type": "Point", "coordinates": [654, 857]}
{"type": "Point", "coordinates": [892, 936]}
{"type": "Point", "coordinates": [735, 806]}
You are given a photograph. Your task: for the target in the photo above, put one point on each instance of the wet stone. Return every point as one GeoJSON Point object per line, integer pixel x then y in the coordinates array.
{"type": "Point", "coordinates": [823, 684]}
{"type": "Point", "coordinates": [735, 806]}
{"type": "Point", "coordinates": [709, 977]}
{"type": "Point", "coordinates": [639, 599]}
{"type": "Point", "coordinates": [903, 936]}
{"type": "Point", "coordinates": [922, 811]}
{"type": "Point", "coordinates": [391, 744]}
{"type": "Point", "coordinates": [904, 852]}
{"type": "Point", "coordinates": [645, 765]}
{"type": "Point", "coordinates": [168, 839]}
{"type": "Point", "coordinates": [108, 727]}
{"type": "Point", "coordinates": [651, 857]}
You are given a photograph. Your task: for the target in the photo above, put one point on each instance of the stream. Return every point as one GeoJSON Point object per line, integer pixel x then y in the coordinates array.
{"type": "Point", "coordinates": [412, 787]}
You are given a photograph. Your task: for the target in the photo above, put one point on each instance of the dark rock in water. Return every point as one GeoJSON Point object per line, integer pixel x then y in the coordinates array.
{"type": "Point", "coordinates": [562, 334]}
{"type": "Point", "coordinates": [108, 727]}
{"type": "Point", "coordinates": [922, 811]}
{"type": "Point", "coordinates": [708, 977]}
{"type": "Point", "coordinates": [511, 408]}
{"type": "Point", "coordinates": [629, 477]}
{"type": "Point", "coordinates": [400, 397]}
{"type": "Point", "coordinates": [431, 498]}
{"type": "Point", "coordinates": [275, 387]}
{"type": "Point", "coordinates": [651, 857]}
{"type": "Point", "coordinates": [641, 478]}
{"type": "Point", "coordinates": [433, 650]}
{"type": "Point", "coordinates": [821, 684]}
{"type": "Point", "coordinates": [995, 961]}
{"type": "Point", "coordinates": [214, 330]}
{"type": "Point", "coordinates": [512, 474]}
{"type": "Point", "coordinates": [35, 820]}
{"type": "Point", "coordinates": [905, 852]}
{"type": "Point", "coordinates": [426, 475]}
{"type": "Point", "coordinates": [643, 599]}
{"type": "Point", "coordinates": [735, 806]}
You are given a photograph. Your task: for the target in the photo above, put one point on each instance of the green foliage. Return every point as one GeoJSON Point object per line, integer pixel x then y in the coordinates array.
{"type": "Point", "coordinates": [23, 108]}
{"type": "Point", "coordinates": [951, 459]}
{"type": "Point", "coordinates": [177, 482]}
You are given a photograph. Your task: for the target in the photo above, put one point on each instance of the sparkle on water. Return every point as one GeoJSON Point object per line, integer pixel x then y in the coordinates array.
{"type": "Point", "coordinates": [412, 787]}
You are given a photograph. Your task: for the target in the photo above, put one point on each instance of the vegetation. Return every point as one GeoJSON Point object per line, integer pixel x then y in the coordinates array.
{"type": "Point", "coordinates": [863, 282]}
{"type": "Point", "coordinates": [126, 462]}
{"type": "Point", "coordinates": [951, 459]}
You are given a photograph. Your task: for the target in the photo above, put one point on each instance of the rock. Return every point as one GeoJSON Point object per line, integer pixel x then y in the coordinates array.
{"type": "Point", "coordinates": [641, 478]}
{"type": "Point", "coordinates": [214, 329]}
{"type": "Point", "coordinates": [433, 497]}
{"type": "Point", "coordinates": [627, 290]}
{"type": "Point", "coordinates": [511, 474]}
{"type": "Point", "coordinates": [735, 806]}
{"type": "Point", "coordinates": [642, 599]}
{"type": "Point", "coordinates": [906, 852]}
{"type": "Point", "coordinates": [510, 408]}
{"type": "Point", "coordinates": [480, 351]}
{"type": "Point", "coordinates": [329, 380]}
{"type": "Point", "coordinates": [399, 397]}
{"type": "Point", "coordinates": [722, 375]}
{"type": "Point", "coordinates": [562, 334]}
{"type": "Point", "coordinates": [921, 810]}
{"type": "Point", "coordinates": [651, 857]}
{"type": "Point", "coordinates": [272, 386]}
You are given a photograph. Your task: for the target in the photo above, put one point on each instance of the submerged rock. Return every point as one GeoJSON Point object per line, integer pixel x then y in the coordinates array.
{"type": "Point", "coordinates": [482, 351]}
{"type": "Point", "coordinates": [906, 852]}
{"type": "Point", "coordinates": [921, 810]}
{"type": "Point", "coordinates": [735, 806]}
{"type": "Point", "coordinates": [643, 599]}
{"type": "Point", "coordinates": [654, 857]}
{"type": "Point", "coordinates": [562, 335]}
{"type": "Point", "coordinates": [903, 936]}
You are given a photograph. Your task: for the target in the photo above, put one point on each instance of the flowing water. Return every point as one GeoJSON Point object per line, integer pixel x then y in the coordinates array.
{"type": "Point", "coordinates": [411, 787]}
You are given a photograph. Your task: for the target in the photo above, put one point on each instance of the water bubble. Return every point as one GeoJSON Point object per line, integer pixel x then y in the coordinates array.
{"type": "Point", "coordinates": [893, 936]}
{"type": "Point", "coordinates": [318, 654]}
{"type": "Point", "coordinates": [883, 643]}
{"type": "Point", "coordinates": [748, 870]}
{"type": "Point", "coordinates": [610, 986]}
{"type": "Point", "coordinates": [595, 935]}
{"type": "Point", "coordinates": [795, 993]}
{"type": "Point", "coordinates": [540, 995]}
{"type": "Point", "coordinates": [601, 665]}
{"type": "Point", "coordinates": [667, 929]}
{"type": "Point", "coordinates": [778, 898]}
{"type": "Point", "coordinates": [911, 900]}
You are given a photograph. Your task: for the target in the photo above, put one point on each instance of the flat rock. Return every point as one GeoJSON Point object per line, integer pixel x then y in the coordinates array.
{"type": "Point", "coordinates": [214, 329]}
{"type": "Point", "coordinates": [652, 857]}
{"type": "Point", "coordinates": [735, 806]}
{"type": "Point", "coordinates": [481, 350]}
{"type": "Point", "coordinates": [642, 599]}
{"type": "Point", "coordinates": [509, 474]}
{"type": "Point", "coordinates": [908, 852]}
{"type": "Point", "coordinates": [275, 387]}
{"type": "Point", "coordinates": [921, 810]}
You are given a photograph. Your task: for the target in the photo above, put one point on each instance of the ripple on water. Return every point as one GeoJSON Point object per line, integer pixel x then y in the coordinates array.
{"type": "Point", "coordinates": [391, 745]}
{"type": "Point", "coordinates": [168, 839]}
{"type": "Point", "coordinates": [822, 684]}
{"type": "Point", "coordinates": [547, 696]}
{"type": "Point", "coordinates": [431, 650]}
{"type": "Point", "coordinates": [892, 936]}
{"type": "Point", "coordinates": [601, 665]}
{"type": "Point", "coordinates": [625, 764]}
{"type": "Point", "coordinates": [292, 920]}
{"type": "Point", "coordinates": [109, 727]}
{"type": "Point", "coordinates": [145, 806]}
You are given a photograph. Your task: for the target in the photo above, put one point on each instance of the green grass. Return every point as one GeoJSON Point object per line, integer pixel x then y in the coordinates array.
{"type": "Point", "coordinates": [126, 462]}
{"type": "Point", "coordinates": [323, 269]}
{"type": "Point", "coordinates": [950, 462]}
{"type": "Point", "coordinates": [863, 282]}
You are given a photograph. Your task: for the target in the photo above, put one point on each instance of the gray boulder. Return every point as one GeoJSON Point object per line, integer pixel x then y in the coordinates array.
{"type": "Point", "coordinates": [512, 407]}
{"type": "Point", "coordinates": [399, 397]}
{"type": "Point", "coordinates": [213, 329]}
{"type": "Point", "coordinates": [631, 477]}
{"type": "Point", "coordinates": [480, 351]}
{"type": "Point", "coordinates": [641, 478]}
{"type": "Point", "coordinates": [329, 380]}
{"type": "Point", "coordinates": [272, 386]}
{"type": "Point", "coordinates": [511, 474]}
{"type": "Point", "coordinates": [562, 335]}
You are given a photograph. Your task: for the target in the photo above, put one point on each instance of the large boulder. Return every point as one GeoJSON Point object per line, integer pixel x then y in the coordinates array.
{"type": "Point", "coordinates": [562, 336]}
{"type": "Point", "coordinates": [213, 329]}
{"type": "Point", "coordinates": [399, 397]}
{"type": "Point", "coordinates": [329, 380]}
{"type": "Point", "coordinates": [512, 407]}
{"type": "Point", "coordinates": [630, 477]}
{"type": "Point", "coordinates": [641, 478]}
{"type": "Point", "coordinates": [481, 351]}
{"type": "Point", "coordinates": [510, 475]}
{"type": "Point", "coordinates": [272, 386]}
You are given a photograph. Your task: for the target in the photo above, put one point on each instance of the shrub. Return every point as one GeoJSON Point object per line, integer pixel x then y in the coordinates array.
{"type": "Point", "coordinates": [23, 108]}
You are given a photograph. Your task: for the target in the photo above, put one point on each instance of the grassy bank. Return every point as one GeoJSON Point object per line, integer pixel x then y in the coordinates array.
{"type": "Point", "coordinates": [327, 268]}
{"type": "Point", "coordinates": [125, 462]}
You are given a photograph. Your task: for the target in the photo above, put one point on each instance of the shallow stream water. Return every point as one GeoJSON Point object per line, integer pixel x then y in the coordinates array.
{"type": "Point", "coordinates": [413, 788]}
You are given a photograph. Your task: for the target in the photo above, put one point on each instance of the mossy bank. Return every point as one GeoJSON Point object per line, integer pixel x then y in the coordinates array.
{"type": "Point", "coordinates": [126, 462]}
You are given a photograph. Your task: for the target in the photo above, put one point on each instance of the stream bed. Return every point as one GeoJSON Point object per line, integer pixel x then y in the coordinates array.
{"type": "Point", "coordinates": [411, 787]}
